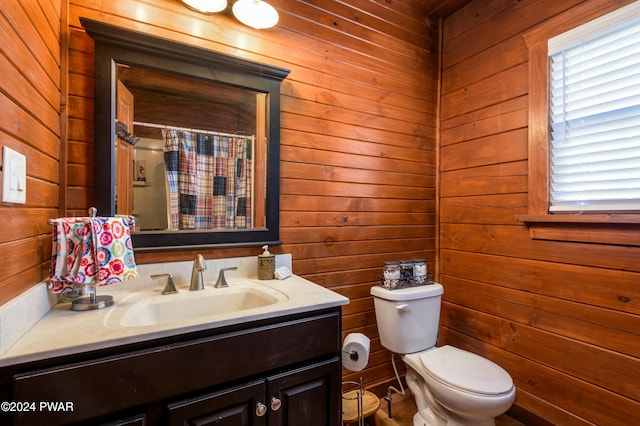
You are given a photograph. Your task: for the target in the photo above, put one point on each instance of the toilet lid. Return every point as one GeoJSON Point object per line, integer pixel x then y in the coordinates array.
{"type": "Point", "coordinates": [466, 371]}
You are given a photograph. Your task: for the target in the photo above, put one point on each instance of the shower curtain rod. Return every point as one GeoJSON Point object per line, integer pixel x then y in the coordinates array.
{"type": "Point", "coordinates": [185, 129]}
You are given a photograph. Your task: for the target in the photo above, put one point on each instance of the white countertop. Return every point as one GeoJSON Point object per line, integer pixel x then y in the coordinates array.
{"type": "Point", "coordinates": [63, 332]}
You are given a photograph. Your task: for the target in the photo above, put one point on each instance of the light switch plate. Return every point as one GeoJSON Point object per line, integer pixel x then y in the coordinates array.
{"type": "Point", "coordinates": [14, 176]}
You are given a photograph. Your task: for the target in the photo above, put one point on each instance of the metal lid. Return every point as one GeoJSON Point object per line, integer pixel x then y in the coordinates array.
{"type": "Point", "coordinates": [467, 371]}
{"type": "Point", "coordinates": [408, 293]}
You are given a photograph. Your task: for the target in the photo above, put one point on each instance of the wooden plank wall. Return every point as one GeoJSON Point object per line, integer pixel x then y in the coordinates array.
{"type": "Point", "coordinates": [563, 318]}
{"type": "Point", "coordinates": [358, 178]}
{"type": "Point", "coordinates": [357, 136]}
{"type": "Point", "coordinates": [30, 105]}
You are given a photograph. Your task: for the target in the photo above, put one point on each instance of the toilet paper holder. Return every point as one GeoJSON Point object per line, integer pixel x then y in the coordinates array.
{"type": "Point", "coordinates": [359, 393]}
{"type": "Point", "coordinates": [355, 351]}
{"type": "Point", "coordinates": [352, 354]}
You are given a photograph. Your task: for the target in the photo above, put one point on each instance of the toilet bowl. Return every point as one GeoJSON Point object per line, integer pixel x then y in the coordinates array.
{"type": "Point", "coordinates": [456, 387]}
{"type": "Point", "coordinates": [451, 386]}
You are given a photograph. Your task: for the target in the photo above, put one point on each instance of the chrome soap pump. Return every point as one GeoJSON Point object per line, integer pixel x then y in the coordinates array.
{"type": "Point", "coordinates": [266, 264]}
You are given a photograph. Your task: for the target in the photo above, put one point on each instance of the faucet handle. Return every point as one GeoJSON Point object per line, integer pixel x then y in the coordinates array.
{"type": "Point", "coordinates": [170, 287]}
{"type": "Point", "coordinates": [222, 281]}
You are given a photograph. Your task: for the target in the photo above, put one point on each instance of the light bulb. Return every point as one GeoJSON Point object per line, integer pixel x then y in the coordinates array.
{"type": "Point", "coordinates": [206, 6]}
{"type": "Point", "coordinates": [255, 13]}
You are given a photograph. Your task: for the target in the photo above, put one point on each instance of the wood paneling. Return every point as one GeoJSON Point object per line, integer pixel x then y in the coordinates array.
{"type": "Point", "coordinates": [437, 9]}
{"type": "Point", "coordinates": [30, 60]}
{"type": "Point", "coordinates": [357, 138]}
{"type": "Point", "coordinates": [563, 318]}
{"type": "Point", "coordinates": [358, 176]}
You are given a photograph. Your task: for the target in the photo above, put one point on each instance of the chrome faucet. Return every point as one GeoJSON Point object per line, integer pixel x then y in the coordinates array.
{"type": "Point", "coordinates": [197, 278]}
{"type": "Point", "coordinates": [222, 281]}
{"type": "Point", "coordinates": [170, 287]}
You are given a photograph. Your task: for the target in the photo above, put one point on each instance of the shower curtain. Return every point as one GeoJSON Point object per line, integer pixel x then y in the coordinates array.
{"type": "Point", "coordinates": [209, 180]}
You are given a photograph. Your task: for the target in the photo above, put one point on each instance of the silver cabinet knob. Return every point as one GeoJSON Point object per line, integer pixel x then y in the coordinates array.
{"type": "Point", "coordinates": [275, 403]}
{"type": "Point", "coordinates": [261, 409]}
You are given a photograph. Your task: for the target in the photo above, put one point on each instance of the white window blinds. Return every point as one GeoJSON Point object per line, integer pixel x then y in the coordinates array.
{"type": "Point", "coordinates": [595, 115]}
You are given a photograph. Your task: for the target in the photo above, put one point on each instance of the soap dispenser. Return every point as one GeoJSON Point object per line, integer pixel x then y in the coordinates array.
{"type": "Point", "coordinates": [266, 264]}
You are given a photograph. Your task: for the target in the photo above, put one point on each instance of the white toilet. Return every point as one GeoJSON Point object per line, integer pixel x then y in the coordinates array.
{"type": "Point", "coordinates": [451, 386]}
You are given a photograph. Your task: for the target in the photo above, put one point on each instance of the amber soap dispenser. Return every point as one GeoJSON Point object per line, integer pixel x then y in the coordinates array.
{"type": "Point", "coordinates": [266, 264]}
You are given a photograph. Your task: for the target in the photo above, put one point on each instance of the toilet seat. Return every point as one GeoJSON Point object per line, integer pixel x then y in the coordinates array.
{"type": "Point", "coordinates": [466, 371]}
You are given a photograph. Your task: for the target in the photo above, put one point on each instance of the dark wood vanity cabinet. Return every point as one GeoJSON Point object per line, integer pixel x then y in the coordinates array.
{"type": "Point", "coordinates": [299, 397]}
{"type": "Point", "coordinates": [271, 372]}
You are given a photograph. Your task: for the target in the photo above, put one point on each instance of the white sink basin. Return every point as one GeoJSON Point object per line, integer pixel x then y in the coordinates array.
{"type": "Point", "coordinates": [154, 309]}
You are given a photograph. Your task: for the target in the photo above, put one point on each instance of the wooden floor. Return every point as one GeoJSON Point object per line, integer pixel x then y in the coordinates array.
{"type": "Point", "coordinates": [403, 408]}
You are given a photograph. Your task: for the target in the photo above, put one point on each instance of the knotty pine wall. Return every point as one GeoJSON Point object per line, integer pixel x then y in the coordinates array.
{"type": "Point", "coordinates": [358, 178]}
{"type": "Point", "coordinates": [357, 134]}
{"type": "Point", "coordinates": [30, 106]}
{"type": "Point", "coordinates": [563, 318]}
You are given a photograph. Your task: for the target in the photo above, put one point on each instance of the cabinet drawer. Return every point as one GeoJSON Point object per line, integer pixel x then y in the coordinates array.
{"type": "Point", "coordinates": [110, 384]}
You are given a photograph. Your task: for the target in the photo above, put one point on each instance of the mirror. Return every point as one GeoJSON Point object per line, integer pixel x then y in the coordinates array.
{"type": "Point", "coordinates": [195, 152]}
{"type": "Point", "coordinates": [191, 141]}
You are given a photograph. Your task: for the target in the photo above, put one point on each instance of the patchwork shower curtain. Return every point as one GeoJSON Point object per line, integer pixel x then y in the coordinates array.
{"type": "Point", "coordinates": [209, 180]}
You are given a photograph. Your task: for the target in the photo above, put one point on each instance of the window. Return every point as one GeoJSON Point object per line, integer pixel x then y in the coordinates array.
{"type": "Point", "coordinates": [610, 224]}
{"type": "Point", "coordinates": [594, 115]}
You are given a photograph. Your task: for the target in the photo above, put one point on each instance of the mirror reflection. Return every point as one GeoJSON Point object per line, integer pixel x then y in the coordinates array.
{"type": "Point", "coordinates": [190, 154]}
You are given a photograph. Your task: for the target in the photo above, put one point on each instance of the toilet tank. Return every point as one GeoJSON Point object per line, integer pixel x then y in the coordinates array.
{"type": "Point", "coordinates": [408, 318]}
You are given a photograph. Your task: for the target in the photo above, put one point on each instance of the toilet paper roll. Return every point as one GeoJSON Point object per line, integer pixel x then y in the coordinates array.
{"type": "Point", "coordinates": [355, 351]}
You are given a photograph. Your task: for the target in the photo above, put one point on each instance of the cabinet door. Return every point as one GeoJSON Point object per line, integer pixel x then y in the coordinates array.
{"type": "Point", "coordinates": [308, 396]}
{"type": "Point", "coordinates": [237, 406]}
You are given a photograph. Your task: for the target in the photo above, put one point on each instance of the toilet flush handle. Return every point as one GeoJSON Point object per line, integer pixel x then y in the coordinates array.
{"type": "Point", "coordinates": [402, 307]}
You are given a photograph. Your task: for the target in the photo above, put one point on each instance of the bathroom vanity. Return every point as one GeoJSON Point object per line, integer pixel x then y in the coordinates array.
{"type": "Point", "coordinates": [274, 365]}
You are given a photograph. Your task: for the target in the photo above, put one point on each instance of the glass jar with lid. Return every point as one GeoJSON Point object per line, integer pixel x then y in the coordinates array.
{"type": "Point", "coordinates": [420, 271]}
{"type": "Point", "coordinates": [391, 274]}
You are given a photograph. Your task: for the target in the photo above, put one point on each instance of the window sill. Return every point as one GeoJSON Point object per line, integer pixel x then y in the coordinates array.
{"type": "Point", "coordinates": [614, 229]}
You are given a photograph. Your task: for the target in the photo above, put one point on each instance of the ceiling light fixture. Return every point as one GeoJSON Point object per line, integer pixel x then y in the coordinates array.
{"type": "Point", "coordinates": [206, 6]}
{"type": "Point", "coordinates": [255, 13]}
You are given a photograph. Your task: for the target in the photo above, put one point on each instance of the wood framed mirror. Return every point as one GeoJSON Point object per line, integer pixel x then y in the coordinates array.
{"type": "Point", "coordinates": [186, 141]}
